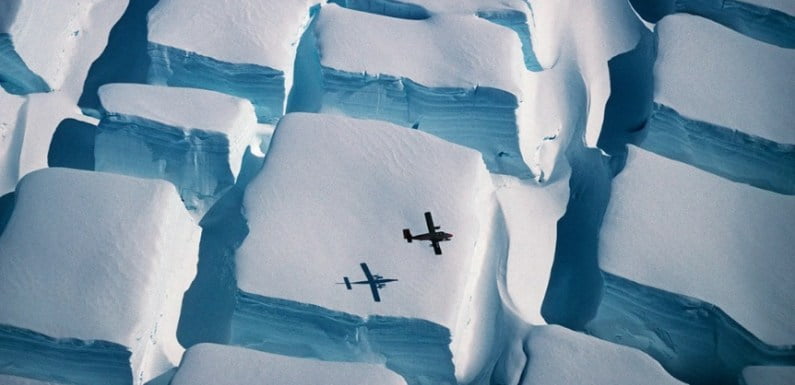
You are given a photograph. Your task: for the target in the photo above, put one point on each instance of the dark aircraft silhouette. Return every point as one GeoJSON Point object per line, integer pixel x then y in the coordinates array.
{"type": "Point", "coordinates": [375, 281]}
{"type": "Point", "coordinates": [432, 235]}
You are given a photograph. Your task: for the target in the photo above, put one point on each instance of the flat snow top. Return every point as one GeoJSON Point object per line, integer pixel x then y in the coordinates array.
{"type": "Point", "coordinates": [711, 73]}
{"type": "Point", "coordinates": [335, 192]}
{"type": "Point", "coordinates": [561, 356]}
{"type": "Point", "coordinates": [213, 364]}
{"type": "Point", "coordinates": [187, 108]}
{"type": "Point", "coordinates": [82, 254]}
{"type": "Point", "coordinates": [768, 375]}
{"type": "Point", "coordinates": [461, 51]}
{"type": "Point", "coordinates": [262, 32]}
{"type": "Point", "coordinates": [680, 229]}
{"type": "Point", "coordinates": [46, 33]}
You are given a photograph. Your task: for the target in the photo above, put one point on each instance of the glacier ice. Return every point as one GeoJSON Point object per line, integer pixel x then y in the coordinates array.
{"type": "Point", "coordinates": [694, 340]}
{"type": "Point", "coordinates": [27, 127]}
{"type": "Point", "coordinates": [94, 268]}
{"type": "Point", "coordinates": [193, 138]}
{"type": "Point", "coordinates": [556, 355]}
{"type": "Point", "coordinates": [738, 83]}
{"type": "Point", "coordinates": [245, 48]}
{"type": "Point", "coordinates": [681, 229]}
{"type": "Point", "coordinates": [407, 79]}
{"type": "Point", "coordinates": [45, 48]}
{"type": "Point", "coordinates": [213, 364]}
{"type": "Point", "coordinates": [770, 21]}
{"type": "Point", "coordinates": [354, 181]}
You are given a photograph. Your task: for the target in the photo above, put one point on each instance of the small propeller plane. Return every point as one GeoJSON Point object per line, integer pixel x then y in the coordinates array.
{"type": "Point", "coordinates": [375, 281]}
{"type": "Point", "coordinates": [432, 235]}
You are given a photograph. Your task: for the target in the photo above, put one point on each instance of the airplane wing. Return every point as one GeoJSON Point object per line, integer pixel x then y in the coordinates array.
{"type": "Point", "coordinates": [429, 222]}
{"type": "Point", "coordinates": [366, 271]}
{"type": "Point", "coordinates": [374, 289]}
{"type": "Point", "coordinates": [436, 248]}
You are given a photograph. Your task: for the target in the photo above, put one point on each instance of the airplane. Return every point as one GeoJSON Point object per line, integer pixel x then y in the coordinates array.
{"type": "Point", "coordinates": [375, 281]}
{"type": "Point", "coordinates": [432, 235]}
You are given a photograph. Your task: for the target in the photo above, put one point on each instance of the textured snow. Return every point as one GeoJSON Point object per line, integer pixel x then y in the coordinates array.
{"type": "Point", "coordinates": [677, 228]}
{"type": "Point", "coordinates": [186, 108]}
{"type": "Point", "coordinates": [348, 201]}
{"type": "Point", "coordinates": [531, 216]}
{"type": "Point", "coordinates": [561, 356]}
{"type": "Point", "coordinates": [131, 249]}
{"type": "Point", "coordinates": [212, 364]}
{"type": "Point", "coordinates": [27, 126]}
{"type": "Point", "coordinates": [575, 50]}
{"type": "Point", "coordinates": [59, 41]}
{"type": "Point", "coordinates": [236, 31]}
{"type": "Point", "coordinates": [768, 375]}
{"type": "Point", "coordinates": [485, 54]}
{"type": "Point", "coordinates": [708, 72]}
{"type": "Point", "coordinates": [335, 192]}
{"type": "Point", "coordinates": [10, 140]}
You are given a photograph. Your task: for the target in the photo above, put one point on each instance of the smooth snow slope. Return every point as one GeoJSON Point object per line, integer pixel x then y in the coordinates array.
{"type": "Point", "coordinates": [10, 140]}
{"type": "Point", "coordinates": [677, 228]}
{"type": "Point", "coordinates": [57, 41]}
{"type": "Point", "coordinates": [335, 192]}
{"type": "Point", "coordinates": [210, 364]}
{"type": "Point", "coordinates": [708, 72]}
{"type": "Point", "coordinates": [97, 256]}
{"type": "Point", "coordinates": [561, 356]}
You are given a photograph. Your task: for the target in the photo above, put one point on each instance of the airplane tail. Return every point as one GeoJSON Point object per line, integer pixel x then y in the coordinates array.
{"type": "Point", "coordinates": [347, 283]}
{"type": "Point", "coordinates": [407, 235]}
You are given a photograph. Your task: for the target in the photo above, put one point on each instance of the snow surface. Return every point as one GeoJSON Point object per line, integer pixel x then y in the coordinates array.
{"type": "Point", "coordinates": [10, 140]}
{"type": "Point", "coordinates": [561, 356]}
{"type": "Point", "coordinates": [680, 229]}
{"type": "Point", "coordinates": [531, 216]}
{"type": "Point", "coordinates": [335, 192]}
{"type": "Point", "coordinates": [576, 51]}
{"type": "Point", "coordinates": [237, 31]}
{"type": "Point", "coordinates": [186, 108]}
{"type": "Point", "coordinates": [768, 375]}
{"type": "Point", "coordinates": [213, 364]}
{"type": "Point", "coordinates": [708, 72]}
{"type": "Point", "coordinates": [132, 252]}
{"type": "Point", "coordinates": [59, 43]}
{"type": "Point", "coordinates": [27, 126]}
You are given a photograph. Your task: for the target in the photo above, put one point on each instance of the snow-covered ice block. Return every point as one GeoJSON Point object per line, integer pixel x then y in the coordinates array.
{"type": "Point", "coordinates": [244, 48]}
{"type": "Point", "coordinates": [677, 228]}
{"type": "Point", "coordinates": [514, 14]}
{"type": "Point", "coordinates": [768, 375]}
{"type": "Point", "coordinates": [193, 138]}
{"type": "Point", "coordinates": [378, 67]}
{"type": "Point", "coordinates": [46, 46]}
{"type": "Point", "coordinates": [561, 356]}
{"type": "Point", "coordinates": [336, 192]}
{"type": "Point", "coordinates": [27, 126]}
{"type": "Point", "coordinates": [710, 73]}
{"type": "Point", "coordinates": [94, 267]}
{"type": "Point", "coordinates": [213, 364]}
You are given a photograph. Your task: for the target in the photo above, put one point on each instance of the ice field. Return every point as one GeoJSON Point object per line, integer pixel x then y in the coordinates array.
{"type": "Point", "coordinates": [408, 192]}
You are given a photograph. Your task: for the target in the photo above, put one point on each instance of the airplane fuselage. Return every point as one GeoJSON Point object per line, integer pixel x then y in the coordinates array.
{"type": "Point", "coordinates": [438, 236]}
